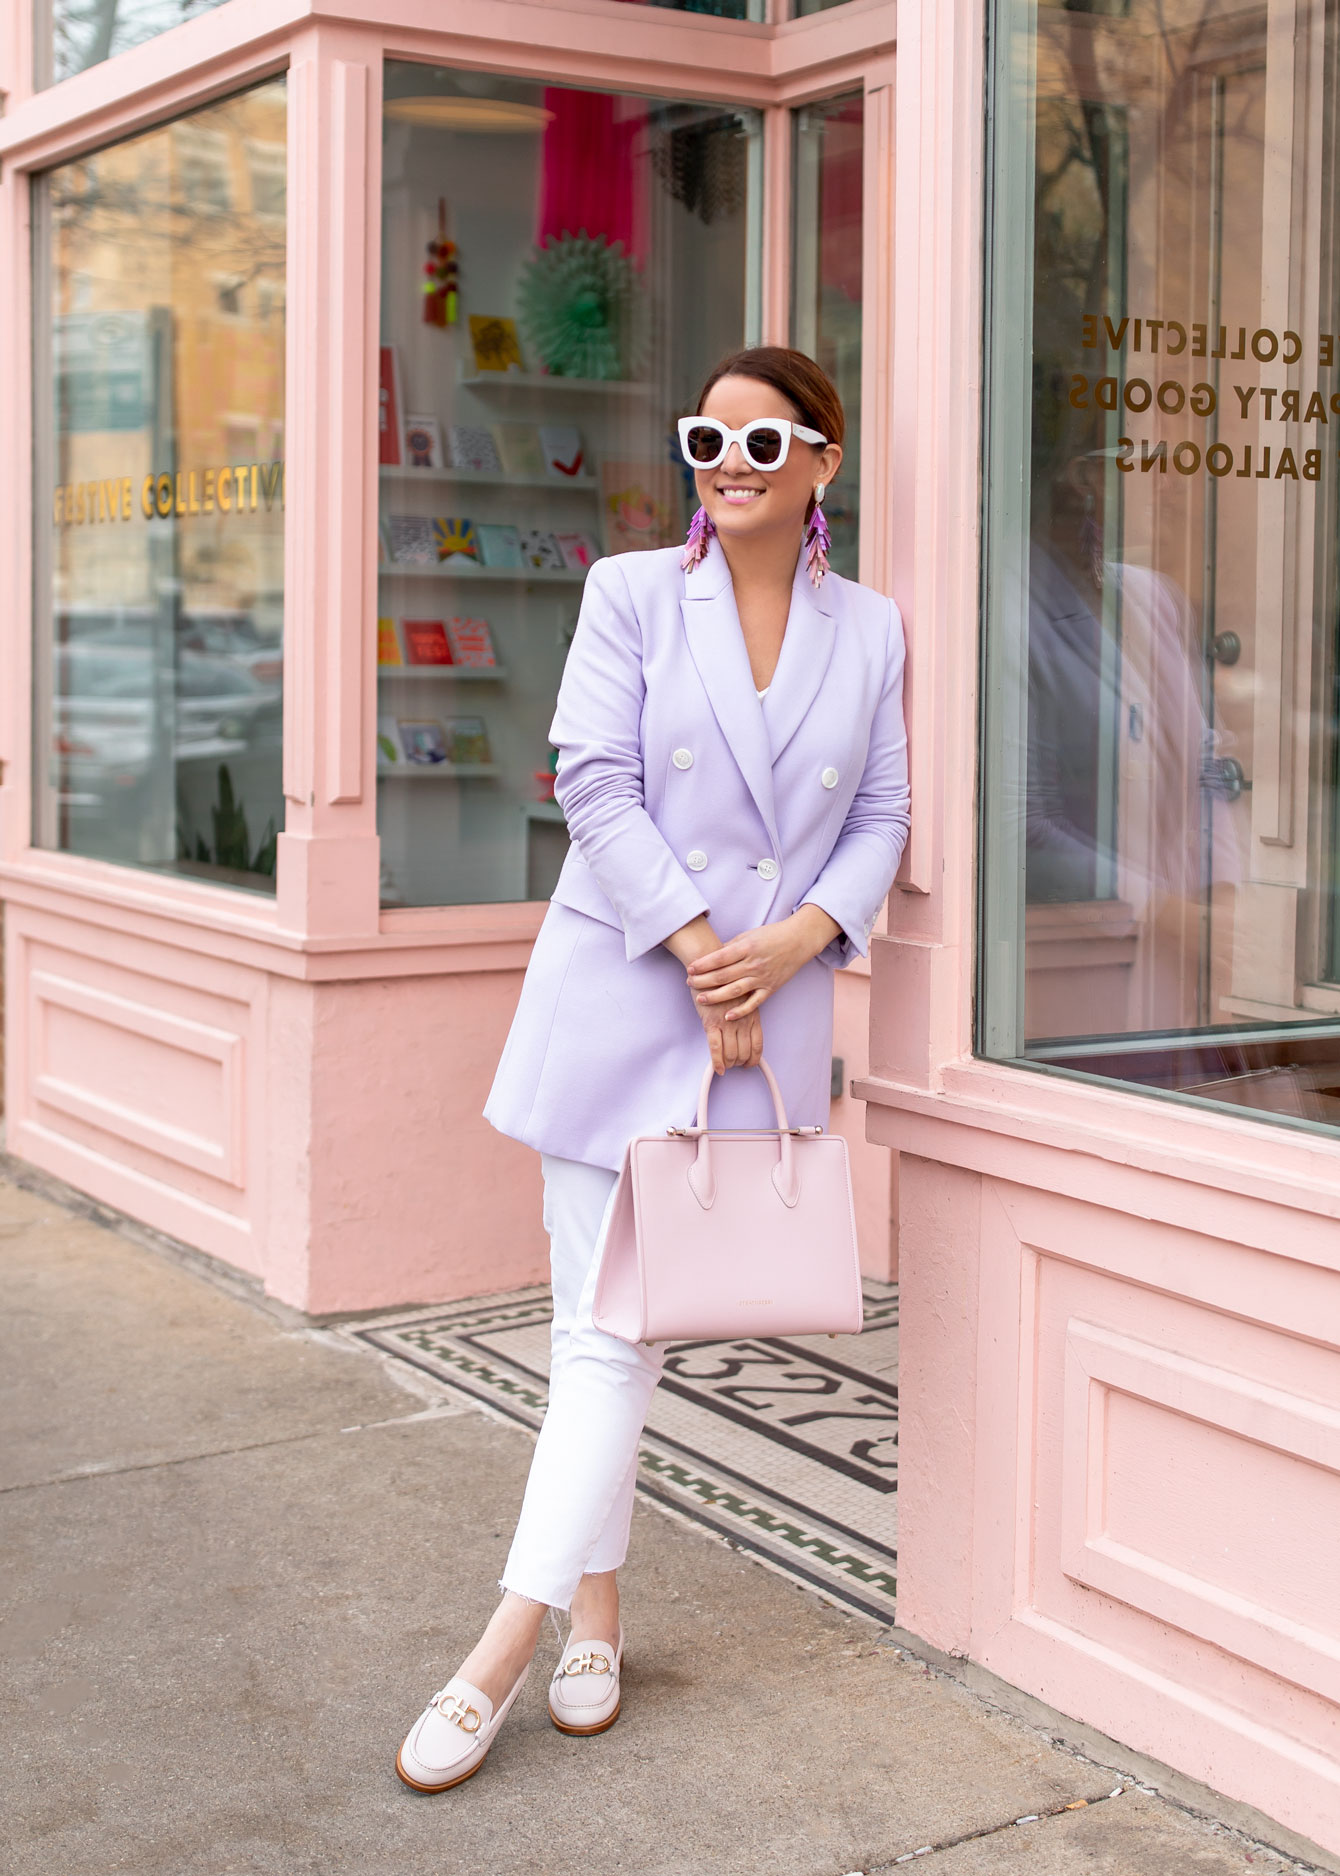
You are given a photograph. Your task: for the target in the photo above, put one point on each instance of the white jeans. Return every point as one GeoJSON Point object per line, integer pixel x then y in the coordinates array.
{"type": "Point", "coordinates": [579, 1496]}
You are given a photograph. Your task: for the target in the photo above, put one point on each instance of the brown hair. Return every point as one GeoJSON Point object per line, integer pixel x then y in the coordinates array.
{"type": "Point", "coordinates": [806, 385]}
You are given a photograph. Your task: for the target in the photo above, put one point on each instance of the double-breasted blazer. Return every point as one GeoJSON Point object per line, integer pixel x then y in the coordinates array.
{"type": "Point", "coordinates": [685, 793]}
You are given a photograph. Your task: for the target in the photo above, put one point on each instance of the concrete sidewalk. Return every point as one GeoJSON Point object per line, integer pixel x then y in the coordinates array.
{"type": "Point", "coordinates": [236, 1556]}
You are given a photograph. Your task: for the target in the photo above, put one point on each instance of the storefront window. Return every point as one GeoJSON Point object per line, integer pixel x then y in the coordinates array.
{"type": "Point", "coordinates": [826, 303]}
{"type": "Point", "coordinates": [1159, 833]}
{"type": "Point", "coordinates": [159, 507]}
{"type": "Point", "coordinates": [71, 35]}
{"type": "Point", "coordinates": [561, 269]}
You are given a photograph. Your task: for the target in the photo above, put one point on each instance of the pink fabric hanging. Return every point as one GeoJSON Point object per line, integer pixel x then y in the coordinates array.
{"type": "Point", "coordinates": [840, 195]}
{"type": "Point", "coordinates": [591, 179]}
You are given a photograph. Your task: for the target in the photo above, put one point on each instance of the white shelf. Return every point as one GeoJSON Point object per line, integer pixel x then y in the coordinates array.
{"type": "Point", "coordinates": [490, 478]}
{"type": "Point", "coordinates": [543, 381]}
{"type": "Point", "coordinates": [466, 673]}
{"type": "Point", "coordinates": [543, 811]}
{"type": "Point", "coordinates": [438, 772]}
{"type": "Point", "coordinates": [515, 576]}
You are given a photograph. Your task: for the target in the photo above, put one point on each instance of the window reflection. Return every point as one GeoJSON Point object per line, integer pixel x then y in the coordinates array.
{"type": "Point", "coordinates": [723, 9]}
{"type": "Point", "coordinates": [75, 34]}
{"type": "Point", "coordinates": [827, 231]}
{"type": "Point", "coordinates": [159, 520]}
{"type": "Point", "coordinates": [1161, 659]}
{"type": "Point", "coordinates": [826, 286]}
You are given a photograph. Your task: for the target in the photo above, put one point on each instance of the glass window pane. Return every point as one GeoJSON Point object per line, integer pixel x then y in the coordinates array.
{"type": "Point", "coordinates": [1159, 835]}
{"type": "Point", "coordinates": [826, 285]}
{"type": "Point", "coordinates": [801, 7]}
{"type": "Point", "coordinates": [723, 9]}
{"type": "Point", "coordinates": [71, 35]}
{"type": "Point", "coordinates": [159, 527]}
{"type": "Point", "coordinates": [601, 255]}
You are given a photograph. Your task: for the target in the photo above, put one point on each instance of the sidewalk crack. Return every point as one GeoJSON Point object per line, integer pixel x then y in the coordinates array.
{"type": "Point", "coordinates": [991, 1830]}
{"type": "Point", "coordinates": [83, 1474]}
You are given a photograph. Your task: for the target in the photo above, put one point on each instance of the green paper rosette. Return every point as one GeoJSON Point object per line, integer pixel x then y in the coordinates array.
{"type": "Point", "coordinates": [581, 308]}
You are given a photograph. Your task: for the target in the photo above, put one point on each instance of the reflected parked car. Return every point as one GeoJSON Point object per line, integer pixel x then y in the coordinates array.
{"type": "Point", "coordinates": [110, 696]}
{"type": "Point", "coordinates": [235, 636]}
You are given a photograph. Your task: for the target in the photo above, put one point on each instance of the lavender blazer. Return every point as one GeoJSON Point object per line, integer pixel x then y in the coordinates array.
{"type": "Point", "coordinates": [684, 793]}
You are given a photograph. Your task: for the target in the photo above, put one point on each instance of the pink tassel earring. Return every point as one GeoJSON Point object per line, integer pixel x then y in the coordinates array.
{"type": "Point", "coordinates": [817, 539]}
{"type": "Point", "coordinates": [700, 535]}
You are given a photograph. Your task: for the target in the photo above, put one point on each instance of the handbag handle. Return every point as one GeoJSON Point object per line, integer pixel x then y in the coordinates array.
{"type": "Point", "coordinates": [702, 1177]}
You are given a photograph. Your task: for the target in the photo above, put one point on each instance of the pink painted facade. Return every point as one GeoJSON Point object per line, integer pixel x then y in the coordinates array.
{"type": "Point", "coordinates": [1121, 1378]}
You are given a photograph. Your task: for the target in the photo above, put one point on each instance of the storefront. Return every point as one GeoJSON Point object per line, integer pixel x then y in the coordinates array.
{"type": "Point", "coordinates": [338, 342]}
{"type": "Point", "coordinates": [339, 347]}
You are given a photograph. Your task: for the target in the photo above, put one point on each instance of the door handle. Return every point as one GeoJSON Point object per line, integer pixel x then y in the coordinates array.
{"type": "Point", "coordinates": [1224, 776]}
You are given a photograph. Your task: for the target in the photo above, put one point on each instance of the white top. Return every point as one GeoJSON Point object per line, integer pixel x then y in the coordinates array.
{"type": "Point", "coordinates": [766, 688]}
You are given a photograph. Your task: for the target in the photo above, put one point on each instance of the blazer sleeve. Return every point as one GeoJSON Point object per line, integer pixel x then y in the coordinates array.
{"type": "Point", "coordinates": [855, 879]}
{"type": "Point", "coordinates": [597, 730]}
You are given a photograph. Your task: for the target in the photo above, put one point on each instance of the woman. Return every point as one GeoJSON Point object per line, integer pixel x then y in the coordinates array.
{"type": "Point", "coordinates": [733, 771]}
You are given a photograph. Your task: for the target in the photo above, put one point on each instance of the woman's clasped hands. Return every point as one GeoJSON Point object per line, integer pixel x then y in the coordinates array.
{"type": "Point", "coordinates": [730, 984]}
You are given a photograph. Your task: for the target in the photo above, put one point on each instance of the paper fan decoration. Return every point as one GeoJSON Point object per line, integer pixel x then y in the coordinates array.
{"type": "Point", "coordinates": [581, 309]}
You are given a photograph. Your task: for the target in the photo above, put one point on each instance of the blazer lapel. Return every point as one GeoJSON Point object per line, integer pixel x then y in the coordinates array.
{"type": "Point", "coordinates": [806, 651]}
{"type": "Point", "coordinates": [716, 643]}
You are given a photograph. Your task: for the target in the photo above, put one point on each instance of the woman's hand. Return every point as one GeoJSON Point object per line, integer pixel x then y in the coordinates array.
{"type": "Point", "coordinates": [735, 980]}
{"type": "Point", "coordinates": [734, 1041]}
{"type": "Point", "coordinates": [737, 1043]}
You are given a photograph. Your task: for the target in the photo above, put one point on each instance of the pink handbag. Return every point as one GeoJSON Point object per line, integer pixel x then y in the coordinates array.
{"type": "Point", "coordinates": [719, 1233]}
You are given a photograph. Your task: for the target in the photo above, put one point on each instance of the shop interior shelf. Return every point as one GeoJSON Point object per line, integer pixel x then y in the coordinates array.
{"type": "Point", "coordinates": [541, 381]}
{"type": "Point", "coordinates": [439, 772]}
{"type": "Point", "coordinates": [543, 811]}
{"type": "Point", "coordinates": [465, 673]}
{"type": "Point", "coordinates": [517, 576]}
{"type": "Point", "coordinates": [490, 478]}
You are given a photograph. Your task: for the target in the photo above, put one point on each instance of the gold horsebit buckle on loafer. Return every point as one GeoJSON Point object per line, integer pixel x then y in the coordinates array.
{"type": "Point", "coordinates": [458, 1711]}
{"type": "Point", "coordinates": [588, 1663]}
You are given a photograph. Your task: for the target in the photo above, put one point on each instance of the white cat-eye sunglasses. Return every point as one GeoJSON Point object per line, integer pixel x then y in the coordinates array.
{"type": "Point", "coordinates": [763, 443]}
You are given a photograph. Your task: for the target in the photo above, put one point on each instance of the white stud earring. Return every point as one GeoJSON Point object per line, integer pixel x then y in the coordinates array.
{"type": "Point", "coordinates": [818, 491]}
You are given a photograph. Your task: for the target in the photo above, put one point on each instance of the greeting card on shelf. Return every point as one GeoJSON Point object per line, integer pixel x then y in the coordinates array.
{"type": "Point", "coordinates": [473, 447]}
{"type": "Point", "coordinates": [638, 503]}
{"type": "Point", "coordinates": [423, 443]}
{"type": "Point", "coordinates": [391, 409]}
{"type": "Point", "coordinates": [426, 641]}
{"type": "Point", "coordinates": [578, 551]}
{"type": "Point", "coordinates": [390, 754]}
{"type": "Point", "coordinates": [564, 456]}
{"type": "Point", "coordinates": [499, 545]}
{"type": "Point", "coordinates": [423, 741]}
{"type": "Point", "coordinates": [412, 540]}
{"type": "Point", "coordinates": [471, 642]}
{"type": "Point", "coordinates": [496, 344]}
{"type": "Point", "coordinates": [540, 549]}
{"type": "Point", "coordinates": [467, 740]}
{"type": "Point", "coordinates": [388, 644]}
{"type": "Point", "coordinates": [456, 538]}
{"type": "Point", "coordinates": [520, 449]}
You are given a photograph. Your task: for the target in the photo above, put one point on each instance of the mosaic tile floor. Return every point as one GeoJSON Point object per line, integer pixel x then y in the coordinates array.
{"type": "Point", "coordinates": [786, 1447]}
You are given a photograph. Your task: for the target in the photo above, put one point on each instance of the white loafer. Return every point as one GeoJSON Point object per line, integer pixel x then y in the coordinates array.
{"type": "Point", "coordinates": [584, 1693]}
{"type": "Point", "coordinates": [450, 1740]}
